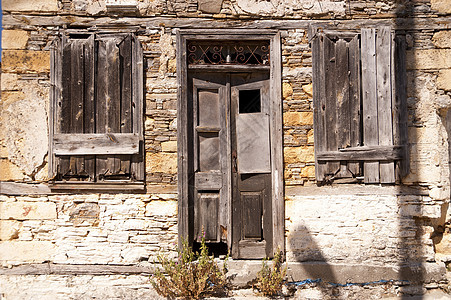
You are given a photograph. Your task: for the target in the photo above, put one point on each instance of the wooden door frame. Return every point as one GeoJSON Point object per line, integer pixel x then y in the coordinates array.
{"type": "Point", "coordinates": [185, 207]}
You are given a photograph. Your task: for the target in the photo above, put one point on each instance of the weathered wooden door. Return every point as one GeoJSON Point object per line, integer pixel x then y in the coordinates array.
{"type": "Point", "coordinates": [251, 166]}
{"type": "Point", "coordinates": [231, 161]}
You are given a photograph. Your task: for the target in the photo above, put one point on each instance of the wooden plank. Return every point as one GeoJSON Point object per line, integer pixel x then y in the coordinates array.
{"type": "Point", "coordinates": [101, 100]}
{"type": "Point", "coordinates": [64, 111]}
{"type": "Point", "coordinates": [184, 231]}
{"type": "Point", "coordinates": [319, 96]}
{"type": "Point", "coordinates": [252, 213]}
{"type": "Point", "coordinates": [208, 181]}
{"type": "Point", "coordinates": [229, 68]}
{"type": "Point", "coordinates": [126, 126]}
{"type": "Point", "coordinates": [400, 103]}
{"type": "Point", "coordinates": [369, 100]}
{"type": "Point", "coordinates": [17, 188]}
{"type": "Point", "coordinates": [260, 27]}
{"type": "Point", "coordinates": [384, 102]}
{"type": "Point", "coordinates": [276, 192]}
{"type": "Point", "coordinates": [137, 161]}
{"type": "Point", "coordinates": [342, 94]}
{"type": "Point", "coordinates": [354, 98]}
{"type": "Point", "coordinates": [66, 269]}
{"type": "Point", "coordinates": [365, 153]}
{"type": "Point", "coordinates": [105, 186]}
{"type": "Point", "coordinates": [77, 80]}
{"type": "Point", "coordinates": [77, 101]}
{"type": "Point", "coordinates": [342, 101]}
{"type": "Point", "coordinates": [225, 202]}
{"type": "Point", "coordinates": [206, 215]}
{"type": "Point", "coordinates": [89, 101]}
{"type": "Point", "coordinates": [113, 99]}
{"type": "Point", "coordinates": [55, 100]}
{"type": "Point", "coordinates": [331, 125]}
{"type": "Point", "coordinates": [96, 143]}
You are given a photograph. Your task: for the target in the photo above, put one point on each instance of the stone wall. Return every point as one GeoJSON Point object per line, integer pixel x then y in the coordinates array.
{"type": "Point", "coordinates": [353, 225]}
{"type": "Point", "coordinates": [117, 229]}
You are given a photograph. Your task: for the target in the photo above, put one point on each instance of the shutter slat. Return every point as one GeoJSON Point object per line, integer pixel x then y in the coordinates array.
{"type": "Point", "coordinates": [137, 166]}
{"type": "Point", "coordinates": [318, 103]}
{"type": "Point", "coordinates": [77, 87]}
{"type": "Point", "coordinates": [89, 100]}
{"type": "Point", "coordinates": [65, 107]}
{"type": "Point", "coordinates": [369, 101]}
{"type": "Point", "coordinates": [354, 99]}
{"type": "Point", "coordinates": [384, 103]}
{"type": "Point", "coordinates": [342, 101]}
{"type": "Point", "coordinates": [126, 125]}
{"type": "Point", "coordinates": [113, 99]}
{"type": "Point", "coordinates": [101, 101]}
{"type": "Point", "coordinates": [76, 102]}
{"type": "Point", "coordinates": [96, 144]}
{"type": "Point", "coordinates": [331, 102]}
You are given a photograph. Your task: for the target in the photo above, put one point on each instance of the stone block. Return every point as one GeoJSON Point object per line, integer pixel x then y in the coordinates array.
{"type": "Point", "coordinates": [170, 146]}
{"type": "Point", "coordinates": [161, 163]}
{"type": "Point", "coordinates": [161, 208]}
{"type": "Point", "coordinates": [14, 39]}
{"type": "Point", "coordinates": [9, 171]}
{"type": "Point", "coordinates": [27, 210]}
{"type": "Point", "coordinates": [135, 255]}
{"type": "Point", "coordinates": [442, 39]}
{"type": "Point", "coordinates": [443, 244]}
{"type": "Point", "coordinates": [294, 155]}
{"type": "Point", "coordinates": [310, 137]}
{"type": "Point", "coordinates": [26, 251]}
{"type": "Point", "coordinates": [119, 237]}
{"type": "Point", "coordinates": [9, 82]}
{"type": "Point", "coordinates": [298, 118]}
{"type": "Point", "coordinates": [25, 61]}
{"type": "Point", "coordinates": [287, 90]}
{"type": "Point", "coordinates": [441, 6]}
{"type": "Point", "coordinates": [308, 89]}
{"type": "Point", "coordinates": [84, 214]}
{"type": "Point", "coordinates": [414, 210]}
{"type": "Point", "coordinates": [9, 97]}
{"type": "Point", "coordinates": [429, 59]}
{"type": "Point", "coordinates": [443, 79]}
{"type": "Point", "coordinates": [30, 5]}
{"type": "Point", "coordinates": [308, 171]}
{"type": "Point", "coordinates": [9, 229]}
{"type": "Point", "coordinates": [210, 6]}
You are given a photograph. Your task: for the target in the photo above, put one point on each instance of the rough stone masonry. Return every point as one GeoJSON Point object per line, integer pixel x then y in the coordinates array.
{"type": "Point", "coordinates": [59, 243]}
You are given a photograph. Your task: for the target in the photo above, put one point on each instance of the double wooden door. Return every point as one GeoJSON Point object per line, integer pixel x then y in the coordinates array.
{"type": "Point", "coordinates": [230, 160]}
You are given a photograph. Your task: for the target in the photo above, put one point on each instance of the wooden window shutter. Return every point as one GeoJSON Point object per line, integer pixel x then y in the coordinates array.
{"type": "Point", "coordinates": [97, 108]}
{"type": "Point", "coordinates": [359, 106]}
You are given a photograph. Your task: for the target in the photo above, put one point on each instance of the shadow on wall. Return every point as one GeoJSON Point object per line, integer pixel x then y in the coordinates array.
{"type": "Point", "coordinates": [312, 259]}
{"type": "Point", "coordinates": [410, 246]}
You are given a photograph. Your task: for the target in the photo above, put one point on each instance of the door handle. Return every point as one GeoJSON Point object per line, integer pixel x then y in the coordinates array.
{"type": "Point", "coordinates": [234, 164]}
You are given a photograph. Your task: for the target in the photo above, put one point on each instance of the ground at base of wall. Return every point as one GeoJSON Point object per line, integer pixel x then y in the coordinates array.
{"type": "Point", "coordinates": [138, 287]}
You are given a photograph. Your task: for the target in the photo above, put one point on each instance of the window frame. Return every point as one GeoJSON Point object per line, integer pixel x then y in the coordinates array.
{"type": "Point", "coordinates": [130, 143]}
{"type": "Point", "coordinates": [394, 151]}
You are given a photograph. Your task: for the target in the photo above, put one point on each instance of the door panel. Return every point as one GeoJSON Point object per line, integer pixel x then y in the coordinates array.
{"type": "Point", "coordinates": [210, 139]}
{"type": "Point", "coordinates": [231, 170]}
{"type": "Point", "coordinates": [251, 179]}
{"type": "Point", "coordinates": [207, 208]}
{"type": "Point", "coordinates": [253, 151]}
